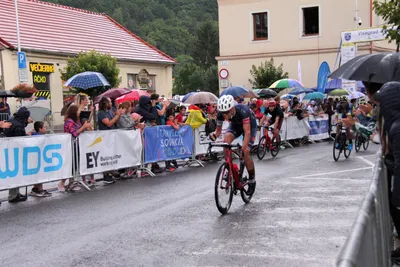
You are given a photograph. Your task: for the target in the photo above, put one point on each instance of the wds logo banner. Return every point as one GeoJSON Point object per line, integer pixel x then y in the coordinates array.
{"type": "Point", "coordinates": [32, 160]}
{"type": "Point", "coordinates": [102, 151]}
{"type": "Point", "coordinates": [166, 143]}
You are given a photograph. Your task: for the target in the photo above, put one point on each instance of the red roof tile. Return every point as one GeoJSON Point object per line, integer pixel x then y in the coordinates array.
{"type": "Point", "coordinates": [61, 29]}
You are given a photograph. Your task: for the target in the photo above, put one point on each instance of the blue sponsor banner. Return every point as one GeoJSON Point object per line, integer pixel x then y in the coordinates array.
{"type": "Point", "coordinates": [165, 143]}
{"type": "Point", "coordinates": [318, 127]}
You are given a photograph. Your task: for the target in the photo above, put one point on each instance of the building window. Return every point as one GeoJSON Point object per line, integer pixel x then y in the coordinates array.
{"type": "Point", "coordinates": [260, 26]}
{"type": "Point", "coordinates": [145, 84]}
{"type": "Point", "coordinates": [132, 81]}
{"type": "Point", "coordinates": [310, 21]}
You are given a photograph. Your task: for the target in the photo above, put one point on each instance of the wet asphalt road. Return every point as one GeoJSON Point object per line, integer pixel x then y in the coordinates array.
{"type": "Point", "coordinates": [302, 211]}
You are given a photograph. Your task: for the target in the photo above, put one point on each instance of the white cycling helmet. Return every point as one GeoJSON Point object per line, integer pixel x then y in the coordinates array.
{"type": "Point", "coordinates": [225, 103]}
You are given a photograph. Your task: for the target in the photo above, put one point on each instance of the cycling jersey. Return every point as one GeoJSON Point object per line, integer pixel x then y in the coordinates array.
{"type": "Point", "coordinates": [343, 112]}
{"type": "Point", "coordinates": [276, 113]}
{"type": "Point", "coordinates": [242, 116]}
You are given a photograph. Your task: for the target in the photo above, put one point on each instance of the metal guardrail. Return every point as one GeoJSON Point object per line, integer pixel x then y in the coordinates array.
{"type": "Point", "coordinates": [370, 240]}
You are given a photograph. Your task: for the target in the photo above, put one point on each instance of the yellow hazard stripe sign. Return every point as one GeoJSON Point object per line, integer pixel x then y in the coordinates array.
{"type": "Point", "coordinates": [43, 94]}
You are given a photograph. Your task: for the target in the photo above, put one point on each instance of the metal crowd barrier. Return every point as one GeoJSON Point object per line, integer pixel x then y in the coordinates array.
{"type": "Point", "coordinates": [370, 241]}
{"type": "Point", "coordinates": [4, 117]}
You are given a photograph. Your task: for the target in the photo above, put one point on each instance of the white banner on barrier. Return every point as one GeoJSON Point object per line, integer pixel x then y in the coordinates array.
{"type": "Point", "coordinates": [32, 160]}
{"type": "Point", "coordinates": [102, 151]}
{"type": "Point", "coordinates": [295, 129]}
{"type": "Point", "coordinates": [319, 127]}
{"type": "Point", "coordinates": [202, 140]}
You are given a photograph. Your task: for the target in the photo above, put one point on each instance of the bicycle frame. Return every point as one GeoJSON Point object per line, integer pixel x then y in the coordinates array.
{"type": "Point", "coordinates": [267, 137]}
{"type": "Point", "coordinates": [237, 177]}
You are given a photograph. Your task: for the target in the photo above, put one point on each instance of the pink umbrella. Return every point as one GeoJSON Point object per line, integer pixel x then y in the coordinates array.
{"type": "Point", "coordinates": [134, 95]}
{"type": "Point", "coordinates": [112, 93]}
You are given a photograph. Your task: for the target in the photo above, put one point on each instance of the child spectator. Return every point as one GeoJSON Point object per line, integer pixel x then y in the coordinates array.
{"type": "Point", "coordinates": [171, 122]}
{"type": "Point", "coordinates": [37, 189]}
{"type": "Point", "coordinates": [181, 117]}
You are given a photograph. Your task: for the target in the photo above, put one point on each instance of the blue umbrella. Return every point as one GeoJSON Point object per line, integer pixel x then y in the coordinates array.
{"type": "Point", "coordinates": [314, 96]}
{"type": "Point", "coordinates": [187, 96]}
{"type": "Point", "coordinates": [286, 97]}
{"type": "Point", "coordinates": [238, 91]}
{"type": "Point", "coordinates": [300, 90]}
{"type": "Point", "coordinates": [86, 80]}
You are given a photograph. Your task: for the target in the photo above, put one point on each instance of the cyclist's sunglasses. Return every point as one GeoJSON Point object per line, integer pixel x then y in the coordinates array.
{"type": "Point", "coordinates": [225, 112]}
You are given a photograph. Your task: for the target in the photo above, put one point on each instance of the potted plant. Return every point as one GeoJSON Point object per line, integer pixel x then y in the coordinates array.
{"type": "Point", "coordinates": [24, 90]}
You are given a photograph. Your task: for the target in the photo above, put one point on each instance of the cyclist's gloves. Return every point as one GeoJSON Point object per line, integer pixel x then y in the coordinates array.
{"type": "Point", "coordinates": [213, 136]}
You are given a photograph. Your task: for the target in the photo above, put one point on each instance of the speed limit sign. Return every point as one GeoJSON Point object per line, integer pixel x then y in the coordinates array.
{"type": "Point", "coordinates": [223, 73]}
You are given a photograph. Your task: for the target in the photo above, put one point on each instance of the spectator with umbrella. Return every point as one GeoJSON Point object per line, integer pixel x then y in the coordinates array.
{"type": "Point", "coordinates": [107, 121]}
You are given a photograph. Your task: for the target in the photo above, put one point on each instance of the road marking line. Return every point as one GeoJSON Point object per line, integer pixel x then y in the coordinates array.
{"type": "Point", "coordinates": [367, 161]}
{"type": "Point", "coordinates": [328, 173]}
{"type": "Point", "coordinates": [320, 190]}
{"type": "Point", "coordinates": [313, 210]}
{"type": "Point", "coordinates": [262, 254]}
{"type": "Point", "coordinates": [339, 199]}
{"type": "Point", "coordinates": [332, 179]}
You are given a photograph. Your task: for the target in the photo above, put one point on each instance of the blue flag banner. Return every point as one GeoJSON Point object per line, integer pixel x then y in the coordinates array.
{"type": "Point", "coordinates": [323, 74]}
{"type": "Point", "coordinates": [165, 143]}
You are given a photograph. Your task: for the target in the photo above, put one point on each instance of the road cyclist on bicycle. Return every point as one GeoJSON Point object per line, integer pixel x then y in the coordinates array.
{"type": "Point", "coordinates": [276, 117]}
{"type": "Point", "coordinates": [342, 112]}
{"type": "Point", "coordinates": [242, 122]}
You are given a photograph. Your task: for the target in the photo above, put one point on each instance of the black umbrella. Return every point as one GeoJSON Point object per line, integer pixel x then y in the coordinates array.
{"type": "Point", "coordinates": [376, 68]}
{"type": "Point", "coordinates": [268, 93]}
{"type": "Point", "coordinates": [6, 93]}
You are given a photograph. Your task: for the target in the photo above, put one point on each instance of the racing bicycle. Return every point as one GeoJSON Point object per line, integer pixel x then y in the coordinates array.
{"type": "Point", "coordinates": [360, 140]}
{"type": "Point", "coordinates": [341, 144]}
{"type": "Point", "coordinates": [268, 144]}
{"type": "Point", "coordinates": [230, 178]}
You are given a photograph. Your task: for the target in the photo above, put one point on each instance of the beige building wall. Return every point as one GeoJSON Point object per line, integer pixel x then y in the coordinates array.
{"type": "Point", "coordinates": [162, 72]}
{"type": "Point", "coordinates": [286, 43]}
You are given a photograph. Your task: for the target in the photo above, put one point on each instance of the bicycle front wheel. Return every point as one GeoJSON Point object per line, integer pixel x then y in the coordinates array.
{"type": "Point", "coordinates": [262, 148]}
{"type": "Point", "coordinates": [337, 149]}
{"type": "Point", "coordinates": [366, 144]}
{"type": "Point", "coordinates": [223, 188]}
{"type": "Point", "coordinates": [346, 150]}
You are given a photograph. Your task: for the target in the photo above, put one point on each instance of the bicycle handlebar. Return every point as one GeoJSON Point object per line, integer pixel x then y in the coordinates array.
{"type": "Point", "coordinates": [225, 145]}
{"type": "Point", "coordinates": [269, 128]}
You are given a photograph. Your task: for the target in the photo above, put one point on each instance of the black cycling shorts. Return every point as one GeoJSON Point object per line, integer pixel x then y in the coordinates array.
{"type": "Point", "coordinates": [237, 131]}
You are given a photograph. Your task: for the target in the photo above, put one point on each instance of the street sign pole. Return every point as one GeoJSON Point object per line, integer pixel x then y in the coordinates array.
{"type": "Point", "coordinates": [17, 23]}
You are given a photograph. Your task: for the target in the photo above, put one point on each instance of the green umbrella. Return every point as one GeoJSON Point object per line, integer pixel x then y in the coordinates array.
{"type": "Point", "coordinates": [338, 92]}
{"type": "Point", "coordinates": [314, 96]}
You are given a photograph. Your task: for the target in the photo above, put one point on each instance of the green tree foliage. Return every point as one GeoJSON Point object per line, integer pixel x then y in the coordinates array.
{"type": "Point", "coordinates": [170, 25]}
{"type": "Point", "coordinates": [206, 46]}
{"type": "Point", "coordinates": [266, 74]}
{"type": "Point", "coordinates": [390, 12]}
{"type": "Point", "coordinates": [93, 61]}
{"type": "Point", "coordinates": [199, 72]}
{"type": "Point", "coordinates": [184, 29]}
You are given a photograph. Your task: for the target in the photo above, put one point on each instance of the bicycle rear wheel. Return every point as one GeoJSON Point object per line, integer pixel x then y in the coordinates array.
{"type": "Point", "coordinates": [262, 148]}
{"type": "Point", "coordinates": [358, 143]}
{"type": "Point", "coordinates": [243, 191]}
{"type": "Point", "coordinates": [223, 188]}
{"type": "Point", "coordinates": [275, 146]}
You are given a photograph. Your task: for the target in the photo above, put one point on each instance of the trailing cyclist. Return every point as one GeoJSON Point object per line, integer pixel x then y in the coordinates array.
{"type": "Point", "coordinates": [342, 111]}
{"type": "Point", "coordinates": [242, 122]}
{"type": "Point", "coordinates": [276, 119]}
